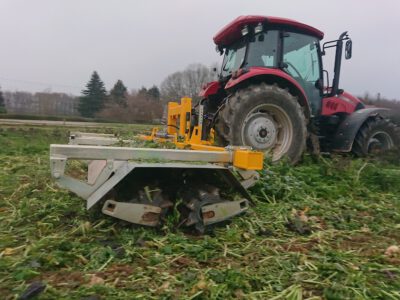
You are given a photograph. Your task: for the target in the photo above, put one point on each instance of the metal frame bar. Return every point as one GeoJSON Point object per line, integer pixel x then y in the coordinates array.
{"type": "Point", "coordinates": [88, 138]}
{"type": "Point", "coordinates": [128, 153]}
{"type": "Point", "coordinates": [79, 187]}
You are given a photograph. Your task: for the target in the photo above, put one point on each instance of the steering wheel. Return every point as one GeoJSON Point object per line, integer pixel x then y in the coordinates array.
{"type": "Point", "coordinates": [301, 80]}
{"type": "Point", "coordinates": [293, 67]}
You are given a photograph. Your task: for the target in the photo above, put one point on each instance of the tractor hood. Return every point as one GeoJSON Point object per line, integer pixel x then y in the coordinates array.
{"type": "Point", "coordinates": [342, 103]}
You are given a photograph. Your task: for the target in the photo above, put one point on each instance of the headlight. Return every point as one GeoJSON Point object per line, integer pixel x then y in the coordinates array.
{"type": "Point", "coordinates": [258, 28]}
{"type": "Point", "coordinates": [245, 30]}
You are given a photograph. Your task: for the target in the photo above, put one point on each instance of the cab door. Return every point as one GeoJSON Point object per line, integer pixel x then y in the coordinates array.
{"type": "Point", "coordinates": [301, 60]}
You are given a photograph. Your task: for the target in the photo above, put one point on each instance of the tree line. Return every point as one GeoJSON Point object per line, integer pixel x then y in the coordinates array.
{"type": "Point", "coordinates": [122, 105]}
{"type": "Point", "coordinates": [144, 104]}
{"type": "Point", "coordinates": [117, 104]}
{"type": "Point", "coordinates": [43, 103]}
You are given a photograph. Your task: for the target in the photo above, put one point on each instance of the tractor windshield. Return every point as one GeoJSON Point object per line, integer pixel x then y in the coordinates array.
{"type": "Point", "coordinates": [261, 52]}
{"type": "Point", "coordinates": [233, 59]}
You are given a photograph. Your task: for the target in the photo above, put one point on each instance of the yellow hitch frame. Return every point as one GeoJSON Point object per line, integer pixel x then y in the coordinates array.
{"type": "Point", "coordinates": [185, 136]}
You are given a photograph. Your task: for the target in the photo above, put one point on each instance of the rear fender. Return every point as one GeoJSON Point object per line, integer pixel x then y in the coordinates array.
{"type": "Point", "coordinates": [271, 76]}
{"type": "Point", "coordinates": [347, 130]}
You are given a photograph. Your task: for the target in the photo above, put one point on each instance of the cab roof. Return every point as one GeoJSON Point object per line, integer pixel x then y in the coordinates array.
{"type": "Point", "coordinates": [232, 32]}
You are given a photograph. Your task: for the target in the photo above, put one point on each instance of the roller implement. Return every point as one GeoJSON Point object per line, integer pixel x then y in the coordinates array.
{"type": "Point", "coordinates": [206, 184]}
{"type": "Point", "coordinates": [272, 97]}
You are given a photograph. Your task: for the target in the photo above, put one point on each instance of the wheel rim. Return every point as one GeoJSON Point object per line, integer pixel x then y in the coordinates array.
{"type": "Point", "coordinates": [379, 142]}
{"type": "Point", "coordinates": [268, 128]}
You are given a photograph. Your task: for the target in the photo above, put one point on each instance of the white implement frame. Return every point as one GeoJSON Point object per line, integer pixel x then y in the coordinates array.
{"type": "Point", "coordinates": [108, 165]}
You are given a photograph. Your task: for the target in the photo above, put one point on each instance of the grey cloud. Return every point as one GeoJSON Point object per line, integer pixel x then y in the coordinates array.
{"type": "Point", "coordinates": [57, 44]}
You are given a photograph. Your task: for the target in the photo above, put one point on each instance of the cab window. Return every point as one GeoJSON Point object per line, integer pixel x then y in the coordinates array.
{"type": "Point", "coordinates": [301, 61]}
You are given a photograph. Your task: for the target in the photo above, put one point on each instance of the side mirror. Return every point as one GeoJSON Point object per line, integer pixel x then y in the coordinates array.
{"type": "Point", "coordinates": [348, 49]}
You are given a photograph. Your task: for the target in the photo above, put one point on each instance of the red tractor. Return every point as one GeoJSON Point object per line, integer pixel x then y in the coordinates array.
{"type": "Point", "coordinates": [274, 95]}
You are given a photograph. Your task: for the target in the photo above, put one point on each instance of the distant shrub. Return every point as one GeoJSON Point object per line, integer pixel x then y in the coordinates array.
{"type": "Point", "coordinates": [138, 109]}
{"type": "Point", "coordinates": [392, 104]}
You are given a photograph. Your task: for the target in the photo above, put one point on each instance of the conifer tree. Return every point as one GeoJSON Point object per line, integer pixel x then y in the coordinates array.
{"type": "Point", "coordinates": [143, 92]}
{"type": "Point", "coordinates": [118, 93]}
{"type": "Point", "coordinates": [154, 92]}
{"type": "Point", "coordinates": [93, 97]}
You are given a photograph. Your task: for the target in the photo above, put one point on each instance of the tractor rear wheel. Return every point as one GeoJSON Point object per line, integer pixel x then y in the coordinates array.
{"type": "Point", "coordinates": [376, 135]}
{"type": "Point", "coordinates": [267, 118]}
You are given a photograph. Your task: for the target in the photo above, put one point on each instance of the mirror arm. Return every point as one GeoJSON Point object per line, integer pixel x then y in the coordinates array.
{"type": "Point", "coordinates": [338, 62]}
{"type": "Point", "coordinates": [332, 44]}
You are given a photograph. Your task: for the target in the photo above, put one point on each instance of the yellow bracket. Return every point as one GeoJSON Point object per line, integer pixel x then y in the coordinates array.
{"type": "Point", "coordinates": [179, 131]}
{"type": "Point", "coordinates": [248, 160]}
{"type": "Point", "coordinates": [179, 116]}
{"type": "Point", "coordinates": [150, 137]}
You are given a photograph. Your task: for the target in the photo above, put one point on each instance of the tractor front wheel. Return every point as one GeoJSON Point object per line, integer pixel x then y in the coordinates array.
{"type": "Point", "coordinates": [376, 135]}
{"type": "Point", "coordinates": [267, 118]}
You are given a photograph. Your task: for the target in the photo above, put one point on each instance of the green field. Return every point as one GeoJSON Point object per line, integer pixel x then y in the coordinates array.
{"type": "Point", "coordinates": [319, 231]}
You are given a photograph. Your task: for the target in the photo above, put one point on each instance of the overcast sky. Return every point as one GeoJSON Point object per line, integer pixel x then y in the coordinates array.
{"type": "Point", "coordinates": [56, 44]}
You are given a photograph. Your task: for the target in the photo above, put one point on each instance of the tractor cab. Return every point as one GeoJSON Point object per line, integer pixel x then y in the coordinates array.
{"type": "Point", "coordinates": [256, 42]}
{"type": "Point", "coordinates": [299, 58]}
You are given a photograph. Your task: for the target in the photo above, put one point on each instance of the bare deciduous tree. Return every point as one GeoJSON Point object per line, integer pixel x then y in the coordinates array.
{"type": "Point", "coordinates": [54, 104]}
{"type": "Point", "coordinates": [187, 82]}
